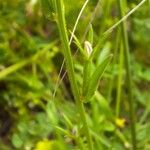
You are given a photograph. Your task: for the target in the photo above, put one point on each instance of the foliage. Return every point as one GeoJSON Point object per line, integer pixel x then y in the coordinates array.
{"type": "Point", "coordinates": [31, 117]}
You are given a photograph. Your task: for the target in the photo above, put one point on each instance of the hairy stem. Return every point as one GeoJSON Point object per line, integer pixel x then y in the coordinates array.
{"type": "Point", "coordinates": [70, 68]}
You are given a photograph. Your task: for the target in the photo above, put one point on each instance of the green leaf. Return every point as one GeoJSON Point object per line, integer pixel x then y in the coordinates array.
{"type": "Point", "coordinates": [67, 121]}
{"type": "Point", "coordinates": [104, 53]}
{"type": "Point", "coordinates": [87, 71]}
{"type": "Point", "coordinates": [97, 48]}
{"type": "Point", "coordinates": [90, 34]}
{"type": "Point", "coordinates": [104, 107]}
{"type": "Point", "coordinates": [108, 126]}
{"type": "Point", "coordinates": [17, 142]}
{"type": "Point", "coordinates": [13, 68]}
{"type": "Point", "coordinates": [78, 44]}
{"type": "Point", "coordinates": [95, 77]}
{"type": "Point", "coordinates": [65, 132]}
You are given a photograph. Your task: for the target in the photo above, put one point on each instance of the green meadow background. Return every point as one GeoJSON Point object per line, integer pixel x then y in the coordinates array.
{"type": "Point", "coordinates": [37, 112]}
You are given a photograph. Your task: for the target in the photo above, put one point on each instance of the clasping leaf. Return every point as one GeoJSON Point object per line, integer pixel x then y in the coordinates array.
{"type": "Point", "coordinates": [95, 77]}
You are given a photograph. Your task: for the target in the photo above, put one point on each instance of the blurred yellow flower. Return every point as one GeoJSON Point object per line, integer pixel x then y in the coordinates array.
{"type": "Point", "coordinates": [47, 145]}
{"type": "Point", "coordinates": [120, 122]}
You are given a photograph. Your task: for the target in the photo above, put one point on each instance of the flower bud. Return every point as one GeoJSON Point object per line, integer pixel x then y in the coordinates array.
{"type": "Point", "coordinates": [88, 47]}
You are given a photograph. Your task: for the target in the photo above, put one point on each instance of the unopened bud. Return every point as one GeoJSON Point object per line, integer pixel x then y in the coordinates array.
{"type": "Point", "coordinates": [88, 47]}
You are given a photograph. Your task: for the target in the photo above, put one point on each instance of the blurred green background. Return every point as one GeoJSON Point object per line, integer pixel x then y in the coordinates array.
{"type": "Point", "coordinates": [30, 60]}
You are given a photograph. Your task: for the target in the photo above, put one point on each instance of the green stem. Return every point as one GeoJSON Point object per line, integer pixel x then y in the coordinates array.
{"type": "Point", "coordinates": [119, 84]}
{"type": "Point", "coordinates": [70, 68]}
{"type": "Point", "coordinates": [128, 72]}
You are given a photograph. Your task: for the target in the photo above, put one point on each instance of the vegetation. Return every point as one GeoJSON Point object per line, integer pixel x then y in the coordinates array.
{"type": "Point", "coordinates": [74, 75]}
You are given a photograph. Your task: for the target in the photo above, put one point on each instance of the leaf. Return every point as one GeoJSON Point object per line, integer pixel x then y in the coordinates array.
{"type": "Point", "coordinates": [67, 121]}
{"type": "Point", "coordinates": [17, 142]}
{"type": "Point", "coordinates": [90, 34]}
{"type": "Point", "coordinates": [78, 44]}
{"type": "Point", "coordinates": [52, 113]}
{"type": "Point", "coordinates": [65, 132]}
{"type": "Point", "coordinates": [96, 49]}
{"type": "Point", "coordinates": [104, 53]}
{"type": "Point", "coordinates": [95, 77]}
{"type": "Point", "coordinates": [107, 126]}
{"type": "Point", "coordinates": [104, 107]}
{"type": "Point", "coordinates": [102, 139]}
{"type": "Point", "coordinates": [13, 68]}
{"type": "Point", "coordinates": [87, 70]}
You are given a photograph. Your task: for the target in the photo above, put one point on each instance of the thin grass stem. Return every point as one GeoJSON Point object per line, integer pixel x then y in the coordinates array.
{"type": "Point", "coordinates": [124, 17]}
{"type": "Point", "coordinates": [128, 74]}
{"type": "Point", "coordinates": [119, 84]}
